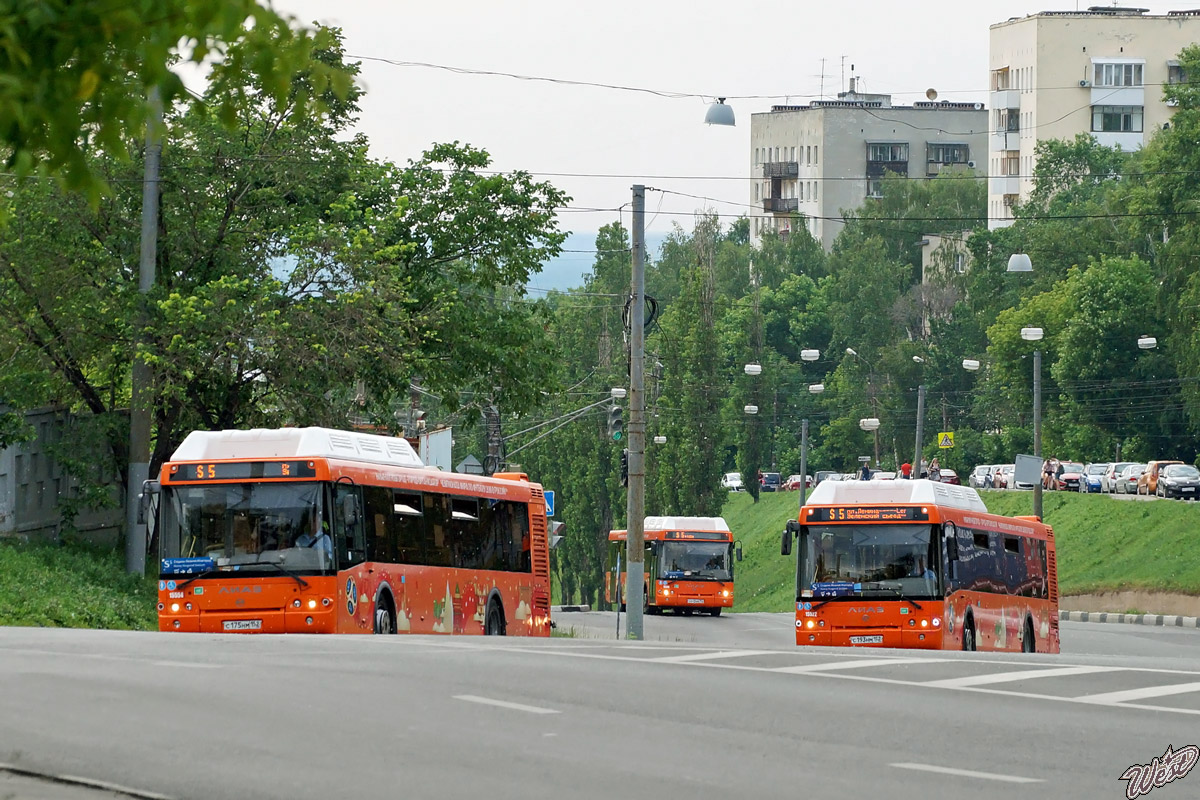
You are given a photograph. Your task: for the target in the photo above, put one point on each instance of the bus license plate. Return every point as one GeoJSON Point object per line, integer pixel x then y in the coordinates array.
{"type": "Point", "coordinates": [243, 624]}
{"type": "Point", "coordinates": [697, 600]}
{"type": "Point", "coordinates": [866, 639]}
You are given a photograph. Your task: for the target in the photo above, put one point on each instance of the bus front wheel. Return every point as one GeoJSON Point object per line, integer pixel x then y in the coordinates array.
{"type": "Point", "coordinates": [383, 621]}
{"type": "Point", "coordinates": [1028, 645]}
{"type": "Point", "coordinates": [968, 642]}
{"type": "Point", "coordinates": [716, 612]}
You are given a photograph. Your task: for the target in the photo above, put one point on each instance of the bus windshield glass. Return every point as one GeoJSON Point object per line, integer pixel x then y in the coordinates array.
{"type": "Point", "coordinates": [870, 561]}
{"type": "Point", "coordinates": [241, 525]}
{"type": "Point", "coordinates": [692, 560]}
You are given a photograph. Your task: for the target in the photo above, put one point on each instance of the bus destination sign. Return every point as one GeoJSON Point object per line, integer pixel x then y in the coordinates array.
{"type": "Point", "coordinates": [242, 470]}
{"type": "Point", "coordinates": [866, 514]}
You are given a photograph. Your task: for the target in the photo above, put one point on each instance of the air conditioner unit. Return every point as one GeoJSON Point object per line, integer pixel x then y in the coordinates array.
{"type": "Point", "coordinates": [1085, 83]}
{"type": "Point", "coordinates": [970, 165]}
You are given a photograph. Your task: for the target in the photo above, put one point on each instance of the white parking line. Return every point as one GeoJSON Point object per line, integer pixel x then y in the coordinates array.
{"type": "Point", "coordinates": [711, 656]}
{"type": "Point", "coordinates": [1018, 675]}
{"type": "Point", "coordinates": [487, 701]}
{"type": "Point", "coordinates": [967, 773]}
{"type": "Point", "coordinates": [835, 666]}
{"type": "Point", "coordinates": [1115, 698]}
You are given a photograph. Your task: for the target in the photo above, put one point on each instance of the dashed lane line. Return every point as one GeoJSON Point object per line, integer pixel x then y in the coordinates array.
{"type": "Point", "coordinates": [1017, 675]}
{"type": "Point", "coordinates": [488, 701]}
{"type": "Point", "coordinates": [711, 656]}
{"type": "Point", "coordinates": [837, 666]}
{"type": "Point", "coordinates": [1118, 698]}
{"type": "Point", "coordinates": [966, 773]}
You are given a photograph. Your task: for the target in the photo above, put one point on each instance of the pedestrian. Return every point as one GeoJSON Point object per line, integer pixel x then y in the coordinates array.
{"type": "Point", "coordinates": [906, 470]}
{"type": "Point", "coordinates": [935, 471]}
{"type": "Point", "coordinates": [1047, 471]}
{"type": "Point", "coordinates": [865, 474]}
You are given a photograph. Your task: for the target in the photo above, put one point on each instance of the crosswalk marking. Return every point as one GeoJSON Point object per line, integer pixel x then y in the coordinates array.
{"type": "Point", "coordinates": [835, 666]}
{"type": "Point", "coordinates": [1017, 675]}
{"type": "Point", "coordinates": [967, 773]}
{"type": "Point", "coordinates": [711, 656]}
{"type": "Point", "coordinates": [1113, 698]}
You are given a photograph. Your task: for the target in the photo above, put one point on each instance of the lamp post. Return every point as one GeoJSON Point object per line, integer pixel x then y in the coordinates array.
{"type": "Point", "coordinates": [874, 401]}
{"type": "Point", "coordinates": [920, 418]}
{"type": "Point", "coordinates": [1035, 335]}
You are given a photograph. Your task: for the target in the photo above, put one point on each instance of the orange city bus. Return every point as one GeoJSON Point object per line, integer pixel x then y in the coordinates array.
{"type": "Point", "coordinates": [689, 565]}
{"type": "Point", "coordinates": [311, 530]}
{"type": "Point", "coordinates": [918, 563]}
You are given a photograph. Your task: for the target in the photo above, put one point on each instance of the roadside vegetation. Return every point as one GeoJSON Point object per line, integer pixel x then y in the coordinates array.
{"type": "Point", "coordinates": [73, 586]}
{"type": "Point", "coordinates": [1104, 545]}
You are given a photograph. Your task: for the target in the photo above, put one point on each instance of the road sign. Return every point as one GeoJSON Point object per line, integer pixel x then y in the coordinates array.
{"type": "Point", "coordinates": [549, 502]}
{"type": "Point", "coordinates": [946, 439]}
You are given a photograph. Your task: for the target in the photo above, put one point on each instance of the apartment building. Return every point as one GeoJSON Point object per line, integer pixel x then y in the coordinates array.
{"type": "Point", "coordinates": [818, 159]}
{"type": "Point", "coordinates": [1060, 73]}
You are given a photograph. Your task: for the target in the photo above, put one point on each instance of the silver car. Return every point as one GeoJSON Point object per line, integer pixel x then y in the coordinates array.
{"type": "Point", "coordinates": [1127, 481]}
{"type": "Point", "coordinates": [1108, 481]}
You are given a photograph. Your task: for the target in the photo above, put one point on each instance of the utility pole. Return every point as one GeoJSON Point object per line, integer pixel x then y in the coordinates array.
{"type": "Point", "coordinates": [139, 402]}
{"type": "Point", "coordinates": [635, 517]}
{"type": "Point", "coordinates": [803, 494]}
{"type": "Point", "coordinates": [495, 440]}
{"type": "Point", "coordinates": [1037, 429]}
{"type": "Point", "coordinates": [920, 428]}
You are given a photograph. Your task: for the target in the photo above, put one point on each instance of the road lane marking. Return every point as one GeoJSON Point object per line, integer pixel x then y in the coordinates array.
{"type": "Point", "coordinates": [189, 664]}
{"type": "Point", "coordinates": [967, 773]}
{"type": "Point", "coordinates": [710, 656]}
{"type": "Point", "coordinates": [835, 666]}
{"type": "Point", "coordinates": [487, 701]}
{"type": "Point", "coordinates": [1116, 698]}
{"type": "Point", "coordinates": [1018, 675]}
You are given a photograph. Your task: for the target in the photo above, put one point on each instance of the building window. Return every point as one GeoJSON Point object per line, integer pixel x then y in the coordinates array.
{"type": "Point", "coordinates": [888, 152]}
{"type": "Point", "coordinates": [755, 200]}
{"type": "Point", "coordinates": [939, 153]}
{"type": "Point", "coordinates": [1176, 73]}
{"type": "Point", "coordinates": [793, 156]}
{"type": "Point", "coordinates": [816, 158]}
{"type": "Point", "coordinates": [1117, 75]}
{"type": "Point", "coordinates": [1011, 166]}
{"type": "Point", "coordinates": [1008, 120]}
{"type": "Point", "coordinates": [960, 263]}
{"type": "Point", "coordinates": [1001, 80]}
{"type": "Point", "coordinates": [1125, 119]}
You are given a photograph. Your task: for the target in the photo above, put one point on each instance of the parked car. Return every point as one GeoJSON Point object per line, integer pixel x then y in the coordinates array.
{"type": "Point", "coordinates": [826, 475]}
{"type": "Point", "coordinates": [1093, 475]}
{"type": "Point", "coordinates": [1070, 476]}
{"type": "Point", "coordinates": [1178, 480]}
{"type": "Point", "coordinates": [981, 476]}
{"type": "Point", "coordinates": [794, 482]}
{"type": "Point", "coordinates": [1148, 482]}
{"type": "Point", "coordinates": [1108, 481]}
{"type": "Point", "coordinates": [1127, 482]}
{"type": "Point", "coordinates": [949, 476]}
{"type": "Point", "coordinates": [880, 475]}
{"type": "Point", "coordinates": [771, 482]}
{"type": "Point", "coordinates": [732, 481]}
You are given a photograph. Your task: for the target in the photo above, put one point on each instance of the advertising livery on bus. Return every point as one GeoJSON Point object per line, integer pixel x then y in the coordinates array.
{"type": "Point", "coordinates": [310, 530]}
{"type": "Point", "coordinates": [921, 564]}
{"type": "Point", "coordinates": [689, 565]}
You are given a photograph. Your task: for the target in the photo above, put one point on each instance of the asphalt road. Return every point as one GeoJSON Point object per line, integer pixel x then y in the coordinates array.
{"type": "Point", "coordinates": [197, 716]}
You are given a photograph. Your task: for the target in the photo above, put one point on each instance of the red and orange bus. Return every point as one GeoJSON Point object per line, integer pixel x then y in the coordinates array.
{"type": "Point", "coordinates": [689, 565]}
{"type": "Point", "coordinates": [311, 530]}
{"type": "Point", "coordinates": [917, 563]}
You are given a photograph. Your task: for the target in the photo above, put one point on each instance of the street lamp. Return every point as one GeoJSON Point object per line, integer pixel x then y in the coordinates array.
{"type": "Point", "coordinates": [752, 410]}
{"type": "Point", "coordinates": [1019, 262]}
{"type": "Point", "coordinates": [753, 369]}
{"type": "Point", "coordinates": [660, 440]}
{"type": "Point", "coordinates": [816, 388]}
{"type": "Point", "coordinates": [970, 364]}
{"type": "Point", "coordinates": [719, 114]}
{"type": "Point", "coordinates": [1147, 342]}
{"type": "Point", "coordinates": [1035, 335]}
{"type": "Point", "coordinates": [874, 402]}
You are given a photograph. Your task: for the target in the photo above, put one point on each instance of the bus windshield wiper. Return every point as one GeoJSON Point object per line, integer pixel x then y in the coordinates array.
{"type": "Point", "coordinates": [899, 593]}
{"type": "Point", "coordinates": [303, 583]}
{"type": "Point", "coordinates": [200, 575]}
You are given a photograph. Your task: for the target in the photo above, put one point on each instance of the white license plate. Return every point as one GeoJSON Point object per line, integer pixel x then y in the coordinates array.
{"type": "Point", "coordinates": [866, 639]}
{"type": "Point", "coordinates": [698, 600]}
{"type": "Point", "coordinates": [243, 624]}
{"type": "Point", "coordinates": [1189, 488]}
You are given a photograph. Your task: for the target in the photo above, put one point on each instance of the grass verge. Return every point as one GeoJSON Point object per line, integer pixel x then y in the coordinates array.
{"type": "Point", "coordinates": [1104, 545]}
{"type": "Point", "coordinates": [73, 586]}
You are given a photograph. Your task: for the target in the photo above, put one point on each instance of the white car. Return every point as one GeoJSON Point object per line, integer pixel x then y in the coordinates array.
{"type": "Point", "coordinates": [732, 481]}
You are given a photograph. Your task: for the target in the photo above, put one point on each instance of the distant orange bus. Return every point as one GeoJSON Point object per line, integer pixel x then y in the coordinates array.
{"type": "Point", "coordinates": [689, 565]}
{"type": "Point", "coordinates": [917, 563]}
{"type": "Point", "coordinates": [311, 530]}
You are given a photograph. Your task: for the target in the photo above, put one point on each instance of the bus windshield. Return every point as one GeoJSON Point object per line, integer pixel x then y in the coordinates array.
{"type": "Point", "coordinates": [240, 525]}
{"type": "Point", "coordinates": [870, 561]}
{"type": "Point", "coordinates": [696, 561]}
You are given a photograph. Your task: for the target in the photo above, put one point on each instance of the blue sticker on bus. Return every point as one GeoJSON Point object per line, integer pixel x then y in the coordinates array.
{"type": "Point", "coordinates": [170, 586]}
{"type": "Point", "coordinates": [186, 566]}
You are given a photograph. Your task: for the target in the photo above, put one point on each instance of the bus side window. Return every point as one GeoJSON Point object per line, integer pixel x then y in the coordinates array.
{"type": "Point", "coordinates": [409, 519]}
{"type": "Point", "coordinates": [380, 540]}
{"type": "Point", "coordinates": [437, 541]}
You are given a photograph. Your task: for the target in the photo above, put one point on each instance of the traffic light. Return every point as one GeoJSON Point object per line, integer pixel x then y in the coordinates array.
{"type": "Point", "coordinates": [625, 467]}
{"type": "Point", "coordinates": [616, 423]}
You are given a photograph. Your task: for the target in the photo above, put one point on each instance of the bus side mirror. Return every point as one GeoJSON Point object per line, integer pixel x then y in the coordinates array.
{"type": "Point", "coordinates": [738, 552]}
{"type": "Point", "coordinates": [793, 529]}
{"type": "Point", "coordinates": [150, 489]}
{"type": "Point", "coordinates": [350, 510]}
{"type": "Point", "coordinates": [556, 534]}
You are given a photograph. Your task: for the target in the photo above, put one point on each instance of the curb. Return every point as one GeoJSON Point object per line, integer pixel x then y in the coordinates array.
{"type": "Point", "coordinates": [557, 609]}
{"type": "Point", "coordinates": [1159, 620]}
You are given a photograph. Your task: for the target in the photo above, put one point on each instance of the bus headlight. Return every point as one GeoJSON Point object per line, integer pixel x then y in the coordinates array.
{"type": "Point", "coordinates": [174, 608]}
{"type": "Point", "coordinates": [810, 623]}
{"type": "Point", "coordinates": [724, 593]}
{"type": "Point", "coordinates": [312, 603]}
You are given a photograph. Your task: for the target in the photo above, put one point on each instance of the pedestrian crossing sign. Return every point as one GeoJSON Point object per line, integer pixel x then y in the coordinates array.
{"type": "Point", "coordinates": [946, 439]}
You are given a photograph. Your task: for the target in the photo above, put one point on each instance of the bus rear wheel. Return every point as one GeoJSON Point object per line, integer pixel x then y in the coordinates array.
{"type": "Point", "coordinates": [383, 620]}
{"type": "Point", "coordinates": [494, 621]}
{"type": "Point", "coordinates": [1028, 645]}
{"type": "Point", "coordinates": [968, 642]}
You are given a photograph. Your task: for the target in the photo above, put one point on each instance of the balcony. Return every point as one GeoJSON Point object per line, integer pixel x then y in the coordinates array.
{"type": "Point", "coordinates": [781, 205]}
{"type": "Point", "coordinates": [1004, 184]}
{"type": "Point", "coordinates": [781, 169]}
{"type": "Point", "coordinates": [1006, 98]}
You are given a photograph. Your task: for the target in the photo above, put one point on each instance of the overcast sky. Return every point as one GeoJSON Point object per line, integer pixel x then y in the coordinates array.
{"type": "Point", "coordinates": [775, 49]}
